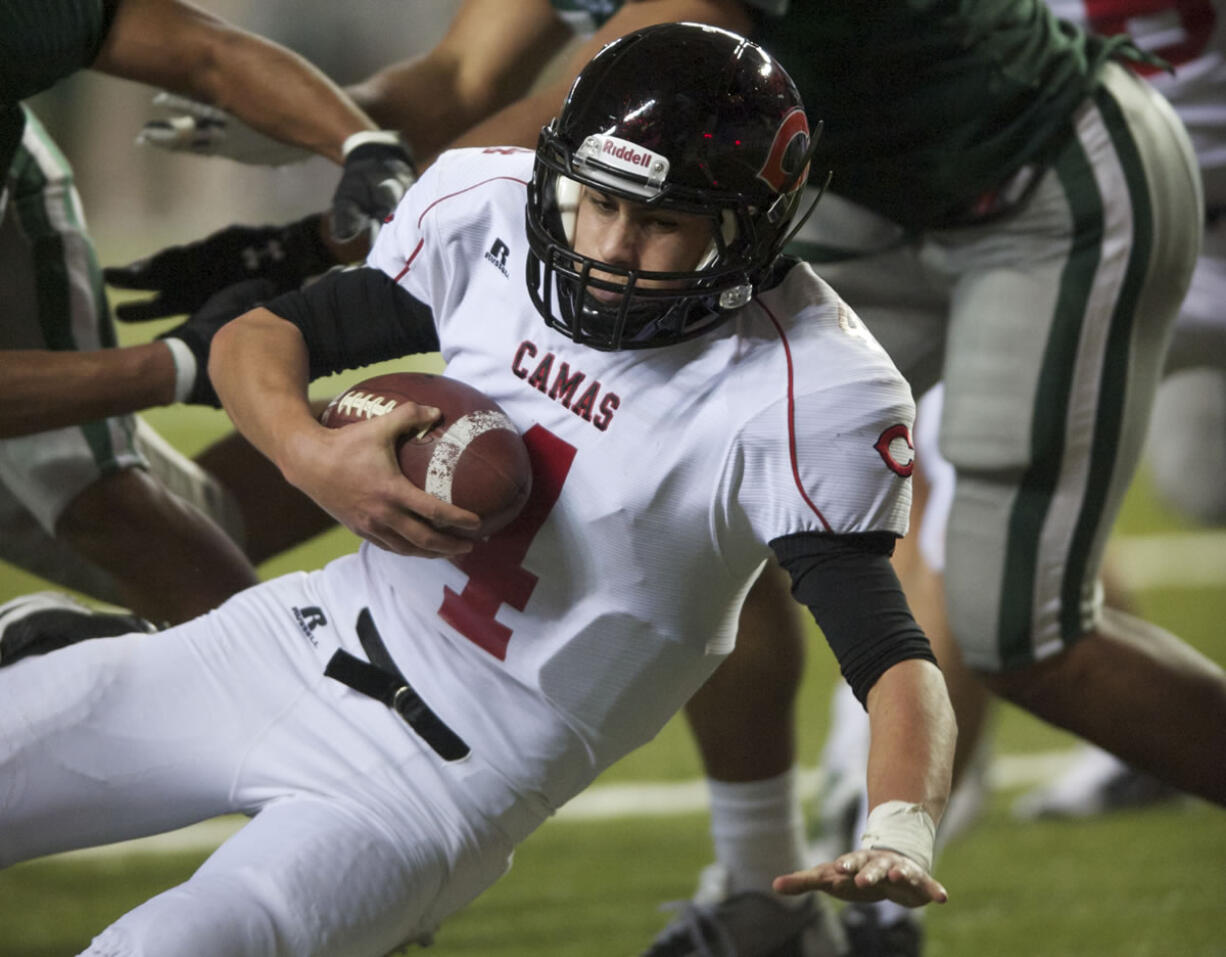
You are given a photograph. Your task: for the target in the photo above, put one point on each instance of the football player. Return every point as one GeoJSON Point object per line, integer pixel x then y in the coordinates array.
{"type": "Point", "coordinates": [106, 506]}
{"type": "Point", "coordinates": [395, 723]}
{"type": "Point", "coordinates": [1186, 444]}
{"type": "Point", "coordinates": [1185, 451]}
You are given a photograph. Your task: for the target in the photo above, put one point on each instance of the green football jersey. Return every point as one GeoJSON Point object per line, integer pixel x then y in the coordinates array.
{"type": "Point", "coordinates": [926, 105]}
{"type": "Point", "coordinates": [41, 43]}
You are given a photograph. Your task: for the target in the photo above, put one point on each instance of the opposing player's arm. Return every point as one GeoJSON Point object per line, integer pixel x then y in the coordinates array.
{"type": "Point", "coordinates": [490, 56]}
{"type": "Point", "coordinates": [261, 365]}
{"type": "Point", "coordinates": [520, 122]}
{"type": "Point", "coordinates": [42, 389]}
{"type": "Point", "coordinates": [849, 585]}
{"type": "Point", "coordinates": [177, 46]}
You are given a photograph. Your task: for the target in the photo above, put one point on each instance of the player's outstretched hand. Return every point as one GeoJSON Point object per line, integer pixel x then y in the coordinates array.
{"type": "Point", "coordinates": [184, 277]}
{"type": "Point", "coordinates": [195, 127]}
{"type": "Point", "coordinates": [354, 475]}
{"type": "Point", "coordinates": [868, 875]}
{"type": "Point", "coordinates": [198, 331]}
{"type": "Point", "coordinates": [378, 170]}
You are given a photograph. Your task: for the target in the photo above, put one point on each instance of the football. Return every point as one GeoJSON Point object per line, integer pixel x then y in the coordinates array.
{"type": "Point", "coordinates": [473, 457]}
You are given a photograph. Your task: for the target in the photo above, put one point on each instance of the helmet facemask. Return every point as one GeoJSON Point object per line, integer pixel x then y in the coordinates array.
{"type": "Point", "coordinates": [653, 308]}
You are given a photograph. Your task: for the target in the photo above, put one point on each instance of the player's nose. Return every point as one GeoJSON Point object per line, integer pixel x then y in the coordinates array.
{"type": "Point", "coordinates": [619, 244]}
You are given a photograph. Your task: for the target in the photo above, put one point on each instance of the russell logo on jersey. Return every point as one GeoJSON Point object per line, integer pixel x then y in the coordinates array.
{"type": "Point", "coordinates": [308, 619]}
{"type": "Point", "coordinates": [497, 256]}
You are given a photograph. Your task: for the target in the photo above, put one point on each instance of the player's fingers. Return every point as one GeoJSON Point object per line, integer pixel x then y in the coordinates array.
{"type": "Point", "coordinates": [409, 419]}
{"type": "Point", "coordinates": [132, 276]}
{"type": "Point", "coordinates": [441, 516]}
{"type": "Point", "coordinates": [145, 310]}
{"type": "Point", "coordinates": [822, 877]}
{"type": "Point", "coordinates": [872, 872]}
{"type": "Point", "coordinates": [916, 884]}
{"type": "Point", "coordinates": [421, 539]}
{"type": "Point", "coordinates": [851, 862]}
{"type": "Point", "coordinates": [194, 134]}
{"type": "Point", "coordinates": [185, 104]}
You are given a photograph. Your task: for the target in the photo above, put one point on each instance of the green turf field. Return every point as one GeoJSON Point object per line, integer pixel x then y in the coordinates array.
{"type": "Point", "coordinates": [1132, 885]}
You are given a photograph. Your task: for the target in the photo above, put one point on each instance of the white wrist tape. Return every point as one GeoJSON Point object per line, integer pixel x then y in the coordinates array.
{"type": "Point", "coordinates": [354, 140]}
{"type": "Point", "coordinates": [902, 827]}
{"type": "Point", "coordinates": [186, 368]}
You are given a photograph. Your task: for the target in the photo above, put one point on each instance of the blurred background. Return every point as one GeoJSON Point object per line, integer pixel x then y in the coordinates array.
{"type": "Point", "coordinates": [138, 198]}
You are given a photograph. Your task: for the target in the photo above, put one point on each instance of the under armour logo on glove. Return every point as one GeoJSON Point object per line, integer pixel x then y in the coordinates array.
{"type": "Point", "coordinates": [378, 171]}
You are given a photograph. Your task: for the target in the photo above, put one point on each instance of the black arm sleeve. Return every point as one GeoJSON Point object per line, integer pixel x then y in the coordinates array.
{"type": "Point", "coordinates": [354, 317]}
{"type": "Point", "coordinates": [849, 585]}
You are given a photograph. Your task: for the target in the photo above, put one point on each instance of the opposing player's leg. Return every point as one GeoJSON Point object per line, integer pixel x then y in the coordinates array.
{"type": "Point", "coordinates": [1046, 409]}
{"type": "Point", "coordinates": [1186, 452]}
{"type": "Point", "coordinates": [87, 487]}
{"type": "Point", "coordinates": [743, 720]}
{"type": "Point", "coordinates": [46, 621]}
{"type": "Point", "coordinates": [273, 515]}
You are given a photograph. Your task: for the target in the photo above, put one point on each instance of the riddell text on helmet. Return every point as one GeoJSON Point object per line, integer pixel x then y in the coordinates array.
{"type": "Point", "coordinates": [625, 152]}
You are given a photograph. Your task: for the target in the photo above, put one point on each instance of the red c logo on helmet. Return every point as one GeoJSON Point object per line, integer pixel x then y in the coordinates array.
{"type": "Point", "coordinates": [772, 171]}
{"type": "Point", "coordinates": [906, 451]}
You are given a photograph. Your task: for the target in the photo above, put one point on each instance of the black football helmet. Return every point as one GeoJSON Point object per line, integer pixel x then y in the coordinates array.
{"type": "Point", "coordinates": [683, 117]}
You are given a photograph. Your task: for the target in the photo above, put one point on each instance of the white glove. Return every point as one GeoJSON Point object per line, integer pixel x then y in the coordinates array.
{"type": "Point", "coordinates": [209, 131]}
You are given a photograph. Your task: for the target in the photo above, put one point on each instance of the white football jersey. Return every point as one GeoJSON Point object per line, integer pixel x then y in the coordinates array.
{"type": "Point", "coordinates": [660, 478]}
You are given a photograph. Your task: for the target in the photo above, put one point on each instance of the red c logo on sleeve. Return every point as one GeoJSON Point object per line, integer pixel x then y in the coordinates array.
{"type": "Point", "coordinates": [896, 449]}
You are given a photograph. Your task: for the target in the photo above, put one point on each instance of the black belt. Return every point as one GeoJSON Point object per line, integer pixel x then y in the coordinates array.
{"type": "Point", "coordinates": [380, 679]}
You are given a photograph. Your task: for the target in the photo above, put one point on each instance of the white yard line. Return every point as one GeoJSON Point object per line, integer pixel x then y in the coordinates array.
{"type": "Point", "coordinates": [599, 803]}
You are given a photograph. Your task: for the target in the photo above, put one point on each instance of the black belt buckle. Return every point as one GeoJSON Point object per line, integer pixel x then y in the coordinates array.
{"type": "Point", "coordinates": [383, 681]}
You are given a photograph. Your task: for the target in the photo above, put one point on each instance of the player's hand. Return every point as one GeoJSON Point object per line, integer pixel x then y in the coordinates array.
{"type": "Point", "coordinates": [184, 277]}
{"type": "Point", "coordinates": [378, 170]}
{"type": "Point", "coordinates": [198, 331]}
{"type": "Point", "coordinates": [353, 474]}
{"type": "Point", "coordinates": [195, 127]}
{"type": "Point", "coordinates": [868, 875]}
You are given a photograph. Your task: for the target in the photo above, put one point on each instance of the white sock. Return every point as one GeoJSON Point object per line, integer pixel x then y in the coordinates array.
{"type": "Point", "coordinates": [758, 831]}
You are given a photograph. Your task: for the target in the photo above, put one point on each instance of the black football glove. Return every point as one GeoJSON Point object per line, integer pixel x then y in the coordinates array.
{"type": "Point", "coordinates": [378, 171]}
{"type": "Point", "coordinates": [184, 277]}
{"type": "Point", "coordinates": [198, 331]}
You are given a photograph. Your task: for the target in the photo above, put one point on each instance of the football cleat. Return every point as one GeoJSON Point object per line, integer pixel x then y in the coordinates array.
{"type": "Point", "coordinates": [751, 924]}
{"type": "Point", "coordinates": [1095, 783]}
{"type": "Point", "coordinates": [44, 621]}
{"type": "Point", "coordinates": [867, 936]}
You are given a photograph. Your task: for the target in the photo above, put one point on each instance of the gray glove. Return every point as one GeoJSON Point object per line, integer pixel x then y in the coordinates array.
{"type": "Point", "coordinates": [378, 171]}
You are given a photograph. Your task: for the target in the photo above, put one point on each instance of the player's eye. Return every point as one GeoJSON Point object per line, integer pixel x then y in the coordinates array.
{"type": "Point", "coordinates": [600, 201]}
{"type": "Point", "coordinates": [662, 224]}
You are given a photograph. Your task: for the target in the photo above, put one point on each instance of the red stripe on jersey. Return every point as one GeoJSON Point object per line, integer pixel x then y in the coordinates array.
{"type": "Point", "coordinates": [460, 192]}
{"type": "Point", "coordinates": [409, 262]}
{"type": "Point", "coordinates": [787, 354]}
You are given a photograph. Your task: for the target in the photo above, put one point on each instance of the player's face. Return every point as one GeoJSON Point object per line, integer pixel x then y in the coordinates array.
{"type": "Point", "coordinates": [634, 236]}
